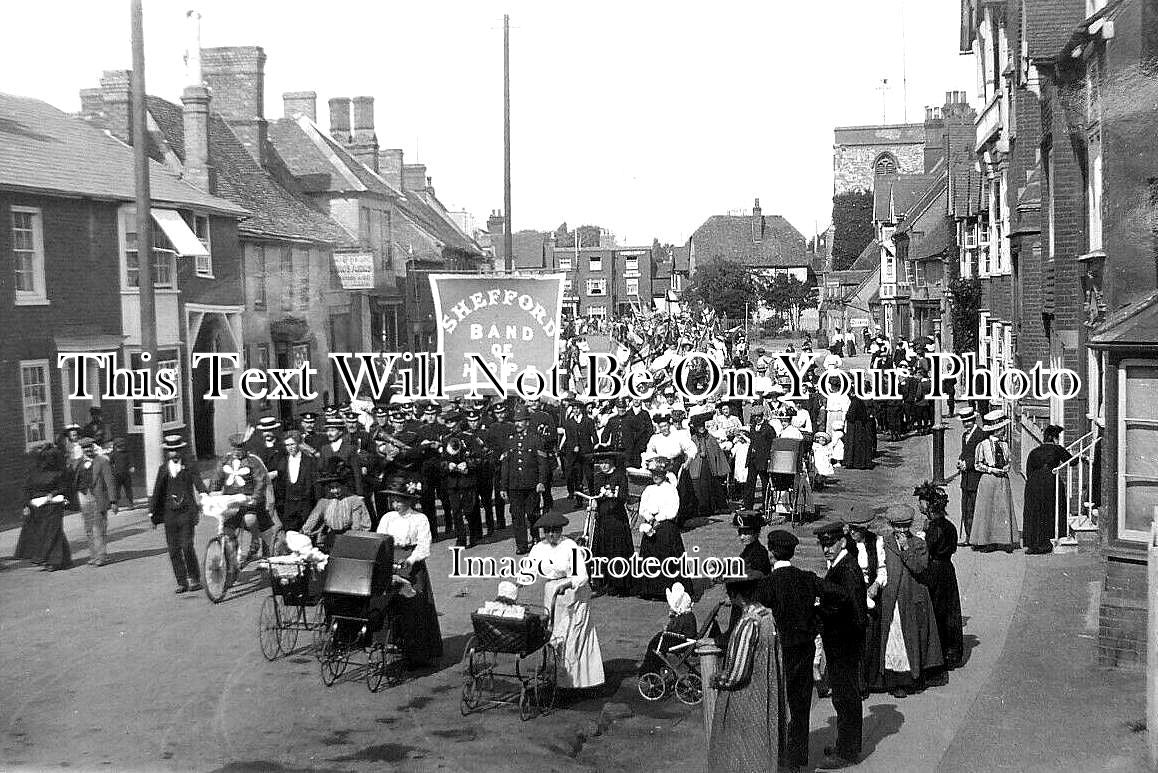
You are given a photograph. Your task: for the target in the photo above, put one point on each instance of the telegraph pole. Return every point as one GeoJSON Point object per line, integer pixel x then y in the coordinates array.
{"type": "Point", "coordinates": [508, 237]}
{"type": "Point", "coordinates": [150, 409]}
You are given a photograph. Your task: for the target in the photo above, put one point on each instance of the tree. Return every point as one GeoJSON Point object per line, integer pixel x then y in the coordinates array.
{"type": "Point", "coordinates": [852, 222]}
{"type": "Point", "coordinates": [788, 297]}
{"type": "Point", "coordinates": [964, 296]}
{"type": "Point", "coordinates": [725, 286]}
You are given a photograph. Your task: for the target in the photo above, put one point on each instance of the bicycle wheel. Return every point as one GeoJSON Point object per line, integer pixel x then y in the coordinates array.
{"type": "Point", "coordinates": [269, 624]}
{"type": "Point", "coordinates": [689, 689]}
{"type": "Point", "coordinates": [652, 686]}
{"type": "Point", "coordinates": [215, 569]}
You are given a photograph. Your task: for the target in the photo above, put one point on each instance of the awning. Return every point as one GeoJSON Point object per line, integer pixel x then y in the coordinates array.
{"type": "Point", "coordinates": [184, 241]}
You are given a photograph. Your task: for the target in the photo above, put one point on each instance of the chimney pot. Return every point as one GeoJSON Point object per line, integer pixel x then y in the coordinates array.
{"type": "Point", "coordinates": [300, 102]}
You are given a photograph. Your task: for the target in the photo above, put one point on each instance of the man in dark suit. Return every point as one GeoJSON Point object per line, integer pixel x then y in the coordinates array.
{"type": "Point", "coordinates": [526, 473]}
{"type": "Point", "coordinates": [338, 445]}
{"type": "Point", "coordinates": [496, 437]}
{"type": "Point", "coordinates": [843, 607]}
{"type": "Point", "coordinates": [637, 429]}
{"type": "Point", "coordinates": [293, 486]}
{"type": "Point", "coordinates": [759, 451]}
{"type": "Point", "coordinates": [966, 463]}
{"type": "Point", "coordinates": [791, 594]}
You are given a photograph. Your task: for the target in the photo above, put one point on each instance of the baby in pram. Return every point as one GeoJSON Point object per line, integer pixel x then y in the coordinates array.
{"type": "Point", "coordinates": [665, 648]}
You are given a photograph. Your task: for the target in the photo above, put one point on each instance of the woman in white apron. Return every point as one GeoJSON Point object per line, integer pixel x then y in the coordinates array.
{"type": "Point", "coordinates": [576, 644]}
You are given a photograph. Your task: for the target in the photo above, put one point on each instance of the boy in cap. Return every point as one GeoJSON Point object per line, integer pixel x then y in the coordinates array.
{"type": "Point", "coordinates": [842, 616]}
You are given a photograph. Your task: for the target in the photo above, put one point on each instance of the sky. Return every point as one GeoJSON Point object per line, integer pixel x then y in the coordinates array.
{"type": "Point", "coordinates": [644, 117]}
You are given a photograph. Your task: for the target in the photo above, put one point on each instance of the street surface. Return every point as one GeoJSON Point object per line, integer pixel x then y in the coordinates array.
{"type": "Point", "coordinates": [108, 669]}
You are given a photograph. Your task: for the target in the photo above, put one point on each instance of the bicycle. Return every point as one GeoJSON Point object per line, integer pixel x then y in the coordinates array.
{"type": "Point", "coordinates": [220, 566]}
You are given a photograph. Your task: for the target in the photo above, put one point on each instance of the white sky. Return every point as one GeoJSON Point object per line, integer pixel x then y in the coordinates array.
{"type": "Point", "coordinates": [643, 117]}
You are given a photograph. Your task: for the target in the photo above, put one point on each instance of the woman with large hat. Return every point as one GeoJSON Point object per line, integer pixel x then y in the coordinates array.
{"type": "Point", "coordinates": [659, 507]}
{"type": "Point", "coordinates": [42, 537]}
{"type": "Point", "coordinates": [415, 618]}
{"type": "Point", "coordinates": [994, 523]}
{"type": "Point", "coordinates": [574, 638]}
{"type": "Point", "coordinates": [612, 535]}
{"type": "Point", "coordinates": [339, 509]}
{"type": "Point", "coordinates": [941, 577]}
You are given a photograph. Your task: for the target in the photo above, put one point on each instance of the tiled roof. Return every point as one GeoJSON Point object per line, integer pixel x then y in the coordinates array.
{"type": "Point", "coordinates": [869, 258]}
{"type": "Point", "coordinates": [965, 189]}
{"type": "Point", "coordinates": [1048, 24]}
{"type": "Point", "coordinates": [427, 217]}
{"type": "Point", "coordinates": [893, 194]}
{"type": "Point", "coordinates": [941, 237]}
{"type": "Point", "coordinates": [681, 258]}
{"type": "Point", "coordinates": [45, 149]}
{"type": "Point", "coordinates": [888, 134]}
{"type": "Point", "coordinates": [275, 211]}
{"type": "Point", "coordinates": [320, 163]}
{"type": "Point", "coordinates": [726, 237]}
{"type": "Point", "coordinates": [930, 203]}
{"type": "Point", "coordinates": [1135, 324]}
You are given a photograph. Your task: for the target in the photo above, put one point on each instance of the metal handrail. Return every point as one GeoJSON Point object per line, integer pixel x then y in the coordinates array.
{"type": "Point", "coordinates": [1081, 457]}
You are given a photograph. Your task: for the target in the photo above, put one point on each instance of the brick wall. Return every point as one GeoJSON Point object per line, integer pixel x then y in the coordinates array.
{"type": "Point", "coordinates": [1122, 616]}
{"type": "Point", "coordinates": [853, 164]}
{"type": "Point", "coordinates": [82, 285]}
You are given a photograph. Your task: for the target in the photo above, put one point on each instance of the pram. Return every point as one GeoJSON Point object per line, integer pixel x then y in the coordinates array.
{"type": "Point", "coordinates": [789, 492]}
{"type": "Point", "coordinates": [669, 665]}
{"type": "Point", "coordinates": [358, 588]}
{"type": "Point", "coordinates": [520, 637]}
{"type": "Point", "coordinates": [293, 605]}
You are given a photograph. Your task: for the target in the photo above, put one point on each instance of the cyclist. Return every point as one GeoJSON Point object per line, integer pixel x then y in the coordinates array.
{"type": "Point", "coordinates": [244, 473]}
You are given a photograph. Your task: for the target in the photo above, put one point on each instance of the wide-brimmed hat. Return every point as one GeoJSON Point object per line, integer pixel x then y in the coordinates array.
{"type": "Point", "coordinates": [748, 521]}
{"type": "Point", "coordinates": [658, 464]}
{"type": "Point", "coordinates": [336, 470]}
{"type": "Point", "coordinates": [551, 521]}
{"type": "Point", "coordinates": [173, 443]}
{"type": "Point", "coordinates": [994, 421]}
{"type": "Point", "coordinates": [268, 424]}
{"type": "Point", "coordinates": [403, 486]}
{"type": "Point", "coordinates": [72, 425]}
{"type": "Point", "coordinates": [968, 413]}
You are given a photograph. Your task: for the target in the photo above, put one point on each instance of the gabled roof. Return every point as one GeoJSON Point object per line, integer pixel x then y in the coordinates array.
{"type": "Point", "coordinates": [275, 211]}
{"type": "Point", "coordinates": [320, 163]}
{"type": "Point", "coordinates": [965, 187]}
{"type": "Point", "coordinates": [935, 193]}
{"type": "Point", "coordinates": [894, 194]}
{"type": "Point", "coordinates": [1048, 24]}
{"type": "Point", "coordinates": [869, 258]}
{"type": "Point", "coordinates": [46, 150]}
{"type": "Point", "coordinates": [940, 239]}
{"type": "Point", "coordinates": [426, 216]}
{"type": "Point", "coordinates": [727, 237]}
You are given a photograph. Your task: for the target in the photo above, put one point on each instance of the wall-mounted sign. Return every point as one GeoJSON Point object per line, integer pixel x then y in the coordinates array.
{"type": "Point", "coordinates": [355, 270]}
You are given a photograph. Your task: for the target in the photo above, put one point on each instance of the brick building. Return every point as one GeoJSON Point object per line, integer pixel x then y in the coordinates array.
{"type": "Point", "coordinates": [602, 281]}
{"type": "Point", "coordinates": [69, 235]}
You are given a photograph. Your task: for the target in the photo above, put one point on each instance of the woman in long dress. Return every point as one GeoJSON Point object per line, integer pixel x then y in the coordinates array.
{"type": "Point", "coordinates": [750, 726]}
{"type": "Point", "coordinates": [858, 443]}
{"type": "Point", "coordinates": [42, 537]}
{"type": "Point", "coordinates": [612, 535]}
{"type": "Point", "coordinates": [702, 492]}
{"type": "Point", "coordinates": [1041, 520]}
{"type": "Point", "coordinates": [415, 618]}
{"type": "Point", "coordinates": [941, 577]}
{"type": "Point", "coordinates": [568, 590]}
{"type": "Point", "coordinates": [994, 524]}
{"type": "Point", "coordinates": [659, 505]}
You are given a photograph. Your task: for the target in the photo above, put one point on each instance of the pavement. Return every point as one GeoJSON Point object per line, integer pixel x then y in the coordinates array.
{"type": "Point", "coordinates": [114, 671]}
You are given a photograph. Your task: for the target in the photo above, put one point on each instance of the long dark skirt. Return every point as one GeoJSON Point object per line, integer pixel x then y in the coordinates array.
{"type": "Point", "coordinates": [612, 539]}
{"type": "Point", "coordinates": [700, 497]}
{"type": "Point", "coordinates": [871, 677]}
{"type": "Point", "coordinates": [416, 619]}
{"type": "Point", "coordinates": [858, 446]}
{"type": "Point", "coordinates": [42, 539]}
{"type": "Point", "coordinates": [1040, 520]}
{"type": "Point", "coordinates": [665, 542]}
{"type": "Point", "coordinates": [941, 579]}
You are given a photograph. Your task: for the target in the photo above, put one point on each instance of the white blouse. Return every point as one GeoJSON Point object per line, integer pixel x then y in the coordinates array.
{"type": "Point", "coordinates": [670, 446]}
{"type": "Point", "coordinates": [862, 560]}
{"type": "Point", "coordinates": [659, 502]}
{"type": "Point", "coordinates": [411, 529]}
{"type": "Point", "coordinates": [555, 562]}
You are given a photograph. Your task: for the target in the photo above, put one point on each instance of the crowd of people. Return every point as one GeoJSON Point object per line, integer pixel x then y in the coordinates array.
{"type": "Point", "coordinates": [886, 614]}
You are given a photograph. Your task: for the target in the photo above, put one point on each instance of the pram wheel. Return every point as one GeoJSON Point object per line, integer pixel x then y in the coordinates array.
{"type": "Point", "coordinates": [321, 634]}
{"type": "Point", "coordinates": [525, 710]}
{"type": "Point", "coordinates": [269, 628]}
{"type": "Point", "coordinates": [546, 681]}
{"type": "Point", "coordinates": [291, 618]}
{"type": "Point", "coordinates": [375, 667]}
{"type": "Point", "coordinates": [334, 662]}
{"type": "Point", "coordinates": [689, 689]}
{"type": "Point", "coordinates": [469, 700]}
{"type": "Point", "coordinates": [652, 686]}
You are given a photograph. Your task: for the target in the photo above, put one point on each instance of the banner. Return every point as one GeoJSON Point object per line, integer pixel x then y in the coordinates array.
{"type": "Point", "coordinates": [496, 316]}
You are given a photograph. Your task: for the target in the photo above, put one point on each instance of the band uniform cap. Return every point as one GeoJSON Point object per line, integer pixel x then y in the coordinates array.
{"type": "Point", "coordinates": [501, 405]}
{"type": "Point", "coordinates": [521, 414]}
{"type": "Point", "coordinates": [330, 411]}
{"type": "Point", "coordinates": [237, 440]}
{"type": "Point", "coordinates": [268, 424]}
{"type": "Point", "coordinates": [94, 409]}
{"type": "Point", "coordinates": [551, 521]}
{"type": "Point", "coordinates": [452, 416]}
{"type": "Point", "coordinates": [335, 422]}
{"type": "Point", "coordinates": [900, 515]}
{"type": "Point", "coordinates": [432, 407]}
{"type": "Point", "coordinates": [473, 414]}
{"type": "Point", "coordinates": [173, 443]}
{"type": "Point", "coordinates": [350, 414]}
{"type": "Point", "coordinates": [782, 538]}
{"type": "Point", "coordinates": [308, 416]}
{"type": "Point", "coordinates": [398, 415]}
{"type": "Point", "coordinates": [380, 411]}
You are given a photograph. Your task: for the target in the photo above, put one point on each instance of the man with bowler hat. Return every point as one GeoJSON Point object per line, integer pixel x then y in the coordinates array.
{"type": "Point", "coordinates": [175, 504]}
{"type": "Point", "coordinates": [791, 593]}
{"type": "Point", "coordinates": [842, 618]}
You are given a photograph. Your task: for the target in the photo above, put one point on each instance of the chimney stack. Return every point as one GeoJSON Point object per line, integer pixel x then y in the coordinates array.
{"type": "Point", "coordinates": [340, 119]}
{"type": "Point", "coordinates": [300, 103]}
{"type": "Point", "coordinates": [934, 137]}
{"type": "Point", "coordinates": [236, 78]}
{"type": "Point", "coordinates": [364, 143]}
{"type": "Point", "coordinates": [390, 167]}
{"type": "Point", "coordinates": [92, 103]}
{"type": "Point", "coordinates": [117, 95]}
{"type": "Point", "coordinates": [195, 115]}
{"type": "Point", "coordinates": [757, 222]}
{"type": "Point", "coordinates": [959, 134]}
{"type": "Point", "coordinates": [414, 177]}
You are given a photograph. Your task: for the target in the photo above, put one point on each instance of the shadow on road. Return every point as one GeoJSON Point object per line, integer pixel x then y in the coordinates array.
{"type": "Point", "coordinates": [881, 721]}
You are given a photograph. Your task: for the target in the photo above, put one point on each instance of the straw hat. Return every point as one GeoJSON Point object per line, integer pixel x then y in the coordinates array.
{"type": "Point", "coordinates": [994, 421]}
